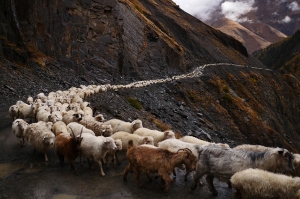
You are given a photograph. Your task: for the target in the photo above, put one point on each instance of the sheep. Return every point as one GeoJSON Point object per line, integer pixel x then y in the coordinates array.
{"type": "Point", "coordinates": [174, 145]}
{"type": "Point", "coordinates": [95, 148]}
{"type": "Point", "coordinates": [30, 100]}
{"type": "Point", "coordinates": [157, 135]}
{"type": "Point", "coordinates": [162, 162]}
{"type": "Point", "coordinates": [42, 97]}
{"type": "Point", "coordinates": [112, 153]}
{"type": "Point", "coordinates": [261, 148]}
{"type": "Point", "coordinates": [98, 127]}
{"type": "Point", "coordinates": [68, 145]}
{"type": "Point", "coordinates": [137, 139]}
{"type": "Point", "coordinates": [194, 140]}
{"type": "Point", "coordinates": [26, 111]}
{"type": "Point", "coordinates": [119, 125]}
{"type": "Point", "coordinates": [77, 127]}
{"type": "Point", "coordinates": [43, 115]}
{"type": "Point", "coordinates": [18, 128]}
{"type": "Point", "coordinates": [68, 118]}
{"type": "Point", "coordinates": [88, 111]}
{"type": "Point", "coordinates": [59, 127]}
{"type": "Point", "coordinates": [99, 118]}
{"type": "Point", "coordinates": [14, 111]}
{"type": "Point", "coordinates": [260, 184]}
{"type": "Point", "coordinates": [222, 162]}
{"type": "Point", "coordinates": [39, 136]}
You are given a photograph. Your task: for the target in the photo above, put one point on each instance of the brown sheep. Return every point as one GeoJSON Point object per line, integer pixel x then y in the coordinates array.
{"type": "Point", "coordinates": [68, 145]}
{"type": "Point", "coordinates": [162, 162]}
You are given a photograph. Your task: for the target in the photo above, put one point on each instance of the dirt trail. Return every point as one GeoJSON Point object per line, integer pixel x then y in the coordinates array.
{"type": "Point", "coordinates": [24, 174]}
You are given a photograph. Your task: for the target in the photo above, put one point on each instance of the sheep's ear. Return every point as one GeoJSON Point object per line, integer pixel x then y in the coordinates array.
{"type": "Point", "coordinates": [145, 139]}
{"type": "Point", "coordinates": [49, 117]}
{"type": "Point", "coordinates": [76, 115]}
{"type": "Point", "coordinates": [166, 133]}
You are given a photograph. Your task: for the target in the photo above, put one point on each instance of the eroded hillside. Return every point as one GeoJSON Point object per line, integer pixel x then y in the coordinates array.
{"type": "Point", "coordinates": [53, 45]}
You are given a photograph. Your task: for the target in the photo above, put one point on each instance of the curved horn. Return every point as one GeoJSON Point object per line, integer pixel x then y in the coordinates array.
{"type": "Point", "coordinates": [186, 150]}
{"type": "Point", "coordinates": [73, 135]}
{"type": "Point", "coordinates": [81, 132]}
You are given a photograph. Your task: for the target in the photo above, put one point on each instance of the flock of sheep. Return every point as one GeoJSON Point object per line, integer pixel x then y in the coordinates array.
{"type": "Point", "coordinates": [63, 120]}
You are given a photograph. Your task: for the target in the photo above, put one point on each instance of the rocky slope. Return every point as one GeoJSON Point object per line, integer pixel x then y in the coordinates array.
{"type": "Point", "coordinates": [47, 46]}
{"type": "Point", "coordinates": [288, 52]}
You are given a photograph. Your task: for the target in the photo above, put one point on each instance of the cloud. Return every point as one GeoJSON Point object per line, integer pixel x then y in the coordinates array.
{"type": "Point", "coordinates": [203, 9]}
{"type": "Point", "coordinates": [294, 6]}
{"type": "Point", "coordinates": [235, 9]}
{"type": "Point", "coordinates": [287, 19]}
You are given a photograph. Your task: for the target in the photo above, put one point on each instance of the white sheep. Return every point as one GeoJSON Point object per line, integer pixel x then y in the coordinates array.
{"type": "Point", "coordinates": [260, 184]}
{"type": "Point", "coordinates": [112, 153]}
{"type": "Point", "coordinates": [137, 139]}
{"type": "Point", "coordinates": [119, 125]}
{"type": "Point", "coordinates": [157, 135]}
{"type": "Point", "coordinates": [18, 128]}
{"type": "Point", "coordinates": [94, 148]}
{"type": "Point", "coordinates": [98, 127]}
{"type": "Point", "coordinates": [42, 97]}
{"type": "Point", "coordinates": [30, 100]}
{"type": "Point", "coordinates": [194, 140]}
{"type": "Point", "coordinates": [59, 127]}
{"type": "Point", "coordinates": [68, 118]}
{"type": "Point", "coordinates": [77, 129]}
{"type": "Point", "coordinates": [26, 111]}
{"type": "Point", "coordinates": [14, 111]}
{"type": "Point", "coordinates": [40, 137]}
{"type": "Point", "coordinates": [99, 118]}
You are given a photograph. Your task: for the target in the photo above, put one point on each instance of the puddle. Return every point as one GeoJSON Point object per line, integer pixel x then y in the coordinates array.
{"type": "Point", "coordinates": [64, 196]}
{"type": "Point", "coordinates": [8, 168]}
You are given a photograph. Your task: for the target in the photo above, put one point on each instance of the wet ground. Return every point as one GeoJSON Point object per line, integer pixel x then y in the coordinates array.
{"type": "Point", "coordinates": [24, 174]}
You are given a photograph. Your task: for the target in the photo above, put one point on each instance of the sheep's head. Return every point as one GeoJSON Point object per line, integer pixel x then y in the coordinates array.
{"type": "Point", "coordinates": [106, 130]}
{"type": "Point", "coordinates": [78, 116]}
{"type": "Point", "coordinates": [110, 143]}
{"type": "Point", "coordinates": [189, 160]}
{"type": "Point", "coordinates": [169, 134]}
{"type": "Point", "coordinates": [48, 140]}
{"type": "Point", "coordinates": [118, 143]}
{"type": "Point", "coordinates": [136, 124]}
{"type": "Point", "coordinates": [76, 139]}
{"type": "Point", "coordinates": [148, 140]}
{"type": "Point", "coordinates": [284, 160]}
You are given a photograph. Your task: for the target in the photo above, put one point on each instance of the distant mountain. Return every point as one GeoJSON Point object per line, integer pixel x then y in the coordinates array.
{"type": "Point", "coordinates": [254, 36]}
{"type": "Point", "coordinates": [284, 55]}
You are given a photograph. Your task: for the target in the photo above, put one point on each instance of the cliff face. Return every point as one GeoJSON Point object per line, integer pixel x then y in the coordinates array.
{"type": "Point", "coordinates": [53, 45]}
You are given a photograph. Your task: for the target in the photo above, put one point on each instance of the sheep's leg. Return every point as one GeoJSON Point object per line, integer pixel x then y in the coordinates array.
{"type": "Point", "coordinates": [174, 172]}
{"type": "Point", "coordinates": [197, 177]}
{"type": "Point", "coordinates": [209, 179]}
{"type": "Point", "coordinates": [90, 162]}
{"type": "Point", "coordinates": [80, 159]}
{"type": "Point", "coordinates": [128, 168]}
{"type": "Point", "coordinates": [61, 159]}
{"type": "Point", "coordinates": [162, 183]}
{"type": "Point", "coordinates": [116, 158]}
{"type": "Point", "coordinates": [46, 158]}
{"type": "Point", "coordinates": [137, 177]}
{"type": "Point", "coordinates": [149, 178]}
{"type": "Point", "coordinates": [23, 142]}
{"type": "Point", "coordinates": [101, 170]}
{"type": "Point", "coordinates": [229, 184]}
{"type": "Point", "coordinates": [166, 178]}
{"type": "Point", "coordinates": [237, 195]}
{"type": "Point", "coordinates": [188, 171]}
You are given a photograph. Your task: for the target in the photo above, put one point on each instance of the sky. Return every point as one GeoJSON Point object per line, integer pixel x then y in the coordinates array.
{"type": "Point", "coordinates": [232, 9]}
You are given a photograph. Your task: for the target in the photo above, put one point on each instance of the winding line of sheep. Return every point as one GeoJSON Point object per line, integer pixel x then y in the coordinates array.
{"type": "Point", "coordinates": [63, 120]}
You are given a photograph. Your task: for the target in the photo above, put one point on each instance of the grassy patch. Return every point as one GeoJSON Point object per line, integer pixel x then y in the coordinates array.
{"type": "Point", "coordinates": [159, 124]}
{"type": "Point", "coordinates": [192, 96]}
{"type": "Point", "coordinates": [228, 97]}
{"type": "Point", "coordinates": [134, 103]}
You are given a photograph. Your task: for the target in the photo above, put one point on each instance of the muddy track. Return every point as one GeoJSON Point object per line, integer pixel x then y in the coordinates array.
{"type": "Point", "coordinates": [24, 174]}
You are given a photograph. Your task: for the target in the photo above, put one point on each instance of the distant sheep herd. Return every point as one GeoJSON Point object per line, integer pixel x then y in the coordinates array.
{"type": "Point", "coordinates": [64, 121]}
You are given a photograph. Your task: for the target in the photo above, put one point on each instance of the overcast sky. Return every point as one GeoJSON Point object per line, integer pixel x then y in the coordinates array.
{"type": "Point", "coordinates": [232, 9]}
